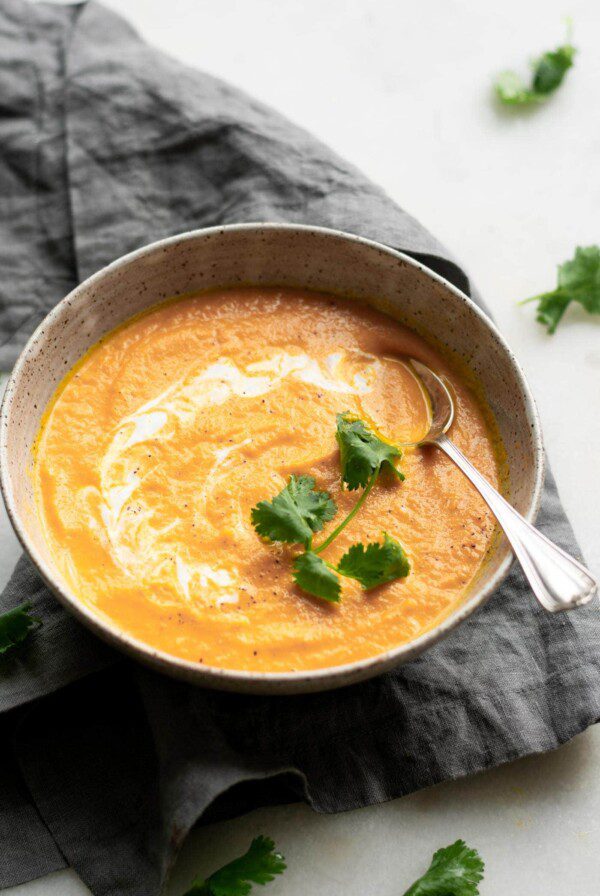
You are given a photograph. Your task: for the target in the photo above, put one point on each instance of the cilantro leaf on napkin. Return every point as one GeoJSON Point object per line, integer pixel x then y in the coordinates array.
{"type": "Point", "coordinates": [376, 563]}
{"type": "Point", "coordinates": [15, 625]}
{"type": "Point", "coordinates": [548, 74]}
{"type": "Point", "coordinates": [312, 574]}
{"type": "Point", "coordinates": [362, 453]}
{"type": "Point", "coordinates": [295, 513]}
{"type": "Point", "coordinates": [578, 281]}
{"type": "Point", "coordinates": [259, 865]}
{"type": "Point", "coordinates": [454, 871]}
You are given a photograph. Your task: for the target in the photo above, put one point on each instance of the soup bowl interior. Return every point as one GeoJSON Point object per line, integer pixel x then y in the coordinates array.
{"type": "Point", "coordinates": [286, 255]}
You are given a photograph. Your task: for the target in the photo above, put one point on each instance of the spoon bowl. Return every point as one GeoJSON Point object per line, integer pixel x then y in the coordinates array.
{"type": "Point", "coordinates": [440, 402]}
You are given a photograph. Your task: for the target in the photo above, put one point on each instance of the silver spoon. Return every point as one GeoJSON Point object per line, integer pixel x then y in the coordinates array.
{"type": "Point", "coordinates": [558, 580]}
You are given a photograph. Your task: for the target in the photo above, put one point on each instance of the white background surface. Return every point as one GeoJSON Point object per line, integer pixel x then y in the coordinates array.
{"type": "Point", "coordinates": [403, 91]}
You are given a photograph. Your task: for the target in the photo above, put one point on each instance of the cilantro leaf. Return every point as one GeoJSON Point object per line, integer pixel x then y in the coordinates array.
{"type": "Point", "coordinates": [454, 871]}
{"type": "Point", "coordinates": [548, 74]}
{"type": "Point", "coordinates": [578, 281]}
{"type": "Point", "coordinates": [551, 68]}
{"type": "Point", "coordinates": [362, 453]}
{"type": "Point", "coordinates": [295, 513]}
{"type": "Point", "coordinates": [376, 563]}
{"type": "Point", "coordinates": [15, 625]}
{"type": "Point", "coordinates": [313, 575]}
{"type": "Point", "coordinates": [258, 865]}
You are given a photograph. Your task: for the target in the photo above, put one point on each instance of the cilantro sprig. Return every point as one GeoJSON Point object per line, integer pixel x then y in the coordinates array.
{"type": "Point", "coordinates": [578, 281]}
{"type": "Point", "coordinates": [376, 563]}
{"type": "Point", "coordinates": [317, 577]}
{"type": "Point", "coordinates": [259, 865]}
{"type": "Point", "coordinates": [362, 453]}
{"type": "Point", "coordinates": [455, 870]}
{"type": "Point", "coordinates": [299, 511]}
{"type": "Point", "coordinates": [548, 74]}
{"type": "Point", "coordinates": [15, 625]}
{"type": "Point", "coordinates": [295, 513]}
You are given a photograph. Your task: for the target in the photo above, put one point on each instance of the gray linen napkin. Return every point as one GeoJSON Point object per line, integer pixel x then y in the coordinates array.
{"type": "Point", "coordinates": [105, 144]}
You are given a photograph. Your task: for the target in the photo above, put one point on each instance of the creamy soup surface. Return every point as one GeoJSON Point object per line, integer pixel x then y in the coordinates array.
{"type": "Point", "coordinates": [161, 440]}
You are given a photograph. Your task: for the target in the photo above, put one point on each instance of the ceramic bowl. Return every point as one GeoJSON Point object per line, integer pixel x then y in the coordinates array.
{"type": "Point", "coordinates": [287, 255]}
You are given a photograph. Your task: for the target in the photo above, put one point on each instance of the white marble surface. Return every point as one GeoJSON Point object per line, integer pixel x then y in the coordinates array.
{"type": "Point", "coordinates": [511, 195]}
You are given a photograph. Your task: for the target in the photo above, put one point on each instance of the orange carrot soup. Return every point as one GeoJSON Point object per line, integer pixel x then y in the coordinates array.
{"type": "Point", "coordinates": [161, 440]}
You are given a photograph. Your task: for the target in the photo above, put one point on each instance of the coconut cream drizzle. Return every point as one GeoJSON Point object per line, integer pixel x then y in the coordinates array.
{"type": "Point", "coordinates": [138, 546]}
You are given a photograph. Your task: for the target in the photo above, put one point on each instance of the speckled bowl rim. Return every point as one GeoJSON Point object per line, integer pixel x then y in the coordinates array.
{"type": "Point", "coordinates": [240, 680]}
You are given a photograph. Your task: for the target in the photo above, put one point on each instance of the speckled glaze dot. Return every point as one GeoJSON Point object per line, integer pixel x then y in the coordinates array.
{"type": "Point", "coordinates": [273, 254]}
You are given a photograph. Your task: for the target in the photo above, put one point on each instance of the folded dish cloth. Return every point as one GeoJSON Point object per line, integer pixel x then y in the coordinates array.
{"type": "Point", "coordinates": [107, 145]}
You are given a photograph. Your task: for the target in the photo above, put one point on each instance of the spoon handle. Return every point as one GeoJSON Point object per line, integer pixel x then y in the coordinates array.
{"type": "Point", "coordinates": [558, 580]}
